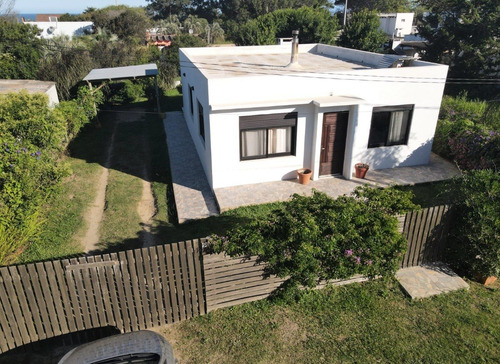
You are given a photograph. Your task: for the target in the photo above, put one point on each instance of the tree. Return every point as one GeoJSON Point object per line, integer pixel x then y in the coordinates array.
{"type": "Point", "coordinates": [161, 9]}
{"type": "Point", "coordinates": [362, 32]}
{"type": "Point", "coordinates": [380, 6]}
{"type": "Point", "coordinates": [169, 66]}
{"type": "Point", "coordinates": [243, 10]}
{"type": "Point", "coordinates": [315, 26]}
{"type": "Point", "coordinates": [464, 34]}
{"type": "Point", "coordinates": [20, 50]}
{"type": "Point", "coordinates": [121, 20]}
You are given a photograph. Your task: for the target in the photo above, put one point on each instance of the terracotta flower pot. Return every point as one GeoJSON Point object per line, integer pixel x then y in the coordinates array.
{"type": "Point", "coordinates": [486, 280]}
{"type": "Point", "coordinates": [361, 169]}
{"type": "Point", "coordinates": [304, 175]}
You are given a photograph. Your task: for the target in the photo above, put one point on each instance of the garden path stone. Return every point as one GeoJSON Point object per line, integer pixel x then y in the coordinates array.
{"type": "Point", "coordinates": [429, 280]}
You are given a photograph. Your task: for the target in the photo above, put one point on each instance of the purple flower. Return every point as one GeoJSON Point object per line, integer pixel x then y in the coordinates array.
{"type": "Point", "coordinates": [38, 158]}
{"type": "Point", "coordinates": [38, 153]}
{"type": "Point", "coordinates": [18, 151]}
{"type": "Point", "coordinates": [7, 149]}
{"type": "Point", "coordinates": [369, 262]}
{"type": "Point", "coordinates": [32, 154]}
{"type": "Point", "coordinates": [348, 252]}
{"type": "Point", "coordinates": [357, 260]}
{"type": "Point", "coordinates": [11, 165]}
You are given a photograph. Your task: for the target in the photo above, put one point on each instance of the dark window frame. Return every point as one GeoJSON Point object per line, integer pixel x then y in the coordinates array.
{"type": "Point", "coordinates": [201, 120]}
{"type": "Point", "coordinates": [266, 122]}
{"type": "Point", "coordinates": [191, 107]}
{"type": "Point", "coordinates": [390, 109]}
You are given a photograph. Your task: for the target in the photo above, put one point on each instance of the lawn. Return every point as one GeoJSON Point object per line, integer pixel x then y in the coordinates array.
{"type": "Point", "coordinates": [359, 323]}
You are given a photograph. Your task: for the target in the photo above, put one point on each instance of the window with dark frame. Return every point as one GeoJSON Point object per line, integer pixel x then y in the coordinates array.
{"type": "Point", "coordinates": [390, 126]}
{"type": "Point", "coordinates": [265, 136]}
{"type": "Point", "coordinates": [201, 120]}
{"type": "Point", "coordinates": [191, 99]}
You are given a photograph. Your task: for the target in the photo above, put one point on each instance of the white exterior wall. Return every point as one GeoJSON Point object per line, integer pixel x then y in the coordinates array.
{"type": "Point", "coordinates": [52, 94]}
{"type": "Point", "coordinates": [193, 77]}
{"type": "Point", "coordinates": [68, 28]}
{"type": "Point", "coordinates": [396, 24]}
{"type": "Point", "coordinates": [226, 99]}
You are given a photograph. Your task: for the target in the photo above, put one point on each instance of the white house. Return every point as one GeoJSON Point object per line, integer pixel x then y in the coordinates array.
{"type": "Point", "coordinates": [396, 25]}
{"type": "Point", "coordinates": [32, 87]}
{"type": "Point", "coordinates": [55, 28]}
{"type": "Point", "coordinates": [254, 117]}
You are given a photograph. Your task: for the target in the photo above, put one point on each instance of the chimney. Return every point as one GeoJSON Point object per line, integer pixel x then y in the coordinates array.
{"type": "Point", "coordinates": [295, 48]}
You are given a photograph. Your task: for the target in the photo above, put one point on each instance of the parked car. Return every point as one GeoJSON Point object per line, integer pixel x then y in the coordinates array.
{"type": "Point", "coordinates": [145, 347]}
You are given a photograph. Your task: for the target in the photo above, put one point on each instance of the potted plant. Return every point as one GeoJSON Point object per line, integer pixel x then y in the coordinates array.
{"type": "Point", "coordinates": [304, 175]}
{"type": "Point", "coordinates": [361, 169]}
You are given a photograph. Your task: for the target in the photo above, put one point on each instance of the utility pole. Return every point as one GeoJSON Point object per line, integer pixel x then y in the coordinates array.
{"type": "Point", "coordinates": [345, 12]}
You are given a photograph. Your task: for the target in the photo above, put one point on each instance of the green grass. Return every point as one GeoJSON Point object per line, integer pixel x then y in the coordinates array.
{"type": "Point", "coordinates": [429, 194]}
{"type": "Point", "coordinates": [64, 212]}
{"type": "Point", "coordinates": [359, 323]}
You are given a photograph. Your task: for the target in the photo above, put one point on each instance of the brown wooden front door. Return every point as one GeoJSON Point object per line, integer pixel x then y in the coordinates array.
{"type": "Point", "coordinates": [333, 142]}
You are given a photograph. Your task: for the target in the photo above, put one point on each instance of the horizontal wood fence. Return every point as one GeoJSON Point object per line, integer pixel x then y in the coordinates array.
{"type": "Point", "coordinates": [426, 231]}
{"type": "Point", "coordinates": [144, 288]}
{"type": "Point", "coordinates": [131, 290]}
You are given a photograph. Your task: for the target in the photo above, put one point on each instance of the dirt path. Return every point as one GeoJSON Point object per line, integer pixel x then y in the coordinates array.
{"type": "Point", "coordinates": [146, 206]}
{"type": "Point", "coordinates": [95, 212]}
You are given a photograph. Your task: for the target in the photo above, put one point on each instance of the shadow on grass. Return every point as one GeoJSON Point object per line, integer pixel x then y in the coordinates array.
{"type": "Point", "coordinates": [166, 233]}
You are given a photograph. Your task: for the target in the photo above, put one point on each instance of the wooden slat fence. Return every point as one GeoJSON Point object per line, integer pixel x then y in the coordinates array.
{"type": "Point", "coordinates": [426, 231]}
{"type": "Point", "coordinates": [142, 288]}
{"type": "Point", "coordinates": [232, 281]}
{"type": "Point", "coordinates": [131, 290]}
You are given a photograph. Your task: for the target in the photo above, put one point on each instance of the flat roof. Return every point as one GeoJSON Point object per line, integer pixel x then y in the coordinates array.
{"type": "Point", "coordinates": [273, 60]}
{"type": "Point", "coordinates": [116, 73]}
{"type": "Point", "coordinates": [32, 86]}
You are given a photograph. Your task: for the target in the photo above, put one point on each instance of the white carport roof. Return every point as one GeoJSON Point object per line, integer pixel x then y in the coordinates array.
{"type": "Point", "coordinates": [115, 73]}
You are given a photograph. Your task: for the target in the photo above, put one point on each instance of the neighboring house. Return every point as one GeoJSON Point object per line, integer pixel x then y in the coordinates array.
{"type": "Point", "coordinates": [254, 119]}
{"type": "Point", "coordinates": [55, 28]}
{"type": "Point", "coordinates": [396, 25]}
{"type": "Point", "coordinates": [31, 86]}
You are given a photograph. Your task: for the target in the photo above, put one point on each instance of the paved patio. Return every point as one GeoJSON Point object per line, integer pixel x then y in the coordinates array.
{"type": "Point", "coordinates": [194, 198]}
{"type": "Point", "coordinates": [438, 169]}
{"type": "Point", "coordinates": [429, 280]}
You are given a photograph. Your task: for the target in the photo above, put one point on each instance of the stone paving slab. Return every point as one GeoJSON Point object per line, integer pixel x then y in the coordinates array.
{"type": "Point", "coordinates": [429, 280]}
{"type": "Point", "coordinates": [438, 169]}
{"type": "Point", "coordinates": [194, 198]}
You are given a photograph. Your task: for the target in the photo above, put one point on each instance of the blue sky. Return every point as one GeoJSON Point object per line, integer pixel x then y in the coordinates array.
{"type": "Point", "coordinates": [68, 6]}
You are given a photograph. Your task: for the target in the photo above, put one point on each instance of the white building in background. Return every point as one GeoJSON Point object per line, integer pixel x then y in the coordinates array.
{"type": "Point", "coordinates": [255, 118]}
{"type": "Point", "coordinates": [396, 25]}
{"type": "Point", "coordinates": [31, 86]}
{"type": "Point", "coordinates": [57, 28]}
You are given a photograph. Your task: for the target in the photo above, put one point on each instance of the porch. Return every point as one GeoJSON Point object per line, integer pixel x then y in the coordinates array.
{"type": "Point", "coordinates": [438, 169]}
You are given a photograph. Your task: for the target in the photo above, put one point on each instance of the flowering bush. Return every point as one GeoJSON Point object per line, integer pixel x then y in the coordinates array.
{"type": "Point", "coordinates": [315, 238]}
{"type": "Point", "coordinates": [476, 150]}
{"type": "Point", "coordinates": [467, 133]}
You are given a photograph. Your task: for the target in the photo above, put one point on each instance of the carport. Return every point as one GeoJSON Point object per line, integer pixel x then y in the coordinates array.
{"type": "Point", "coordinates": [125, 73]}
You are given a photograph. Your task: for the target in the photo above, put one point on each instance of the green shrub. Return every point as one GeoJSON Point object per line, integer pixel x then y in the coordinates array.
{"type": "Point", "coordinates": [467, 132]}
{"type": "Point", "coordinates": [318, 237]}
{"type": "Point", "coordinates": [475, 244]}
{"type": "Point", "coordinates": [315, 26]}
{"type": "Point", "coordinates": [124, 92]}
{"type": "Point", "coordinates": [32, 139]}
